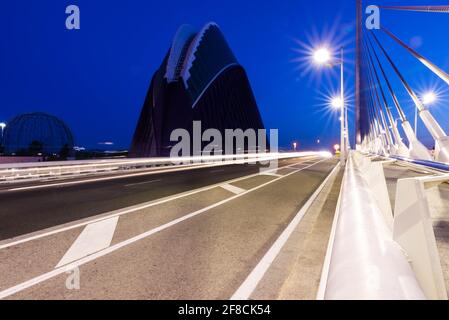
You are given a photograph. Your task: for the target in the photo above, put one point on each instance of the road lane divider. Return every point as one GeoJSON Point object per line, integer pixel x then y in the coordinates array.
{"type": "Point", "coordinates": [49, 275]}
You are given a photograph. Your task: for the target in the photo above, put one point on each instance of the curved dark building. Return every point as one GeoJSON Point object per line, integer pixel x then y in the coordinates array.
{"type": "Point", "coordinates": [199, 80]}
{"type": "Point", "coordinates": [37, 133]}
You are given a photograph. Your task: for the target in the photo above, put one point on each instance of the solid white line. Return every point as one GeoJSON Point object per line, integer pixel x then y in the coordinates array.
{"type": "Point", "coordinates": [253, 279]}
{"type": "Point", "coordinates": [233, 189]}
{"type": "Point", "coordinates": [140, 183]}
{"type": "Point", "coordinates": [58, 271]}
{"type": "Point", "coordinates": [127, 210]}
{"type": "Point", "coordinates": [95, 237]}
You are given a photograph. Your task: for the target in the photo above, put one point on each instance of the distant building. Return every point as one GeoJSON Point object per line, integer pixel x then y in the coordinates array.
{"type": "Point", "coordinates": [37, 133]}
{"type": "Point", "coordinates": [199, 80]}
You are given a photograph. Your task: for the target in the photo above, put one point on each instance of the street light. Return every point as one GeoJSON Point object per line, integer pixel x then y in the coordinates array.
{"type": "Point", "coordinates": [428, 98]}
{"type": "Point", "coordinates": [336, 147]}
{"type": "Point", "coordinates": [336, 102]}
{"type": "Point", "coordinates": [323, 56]}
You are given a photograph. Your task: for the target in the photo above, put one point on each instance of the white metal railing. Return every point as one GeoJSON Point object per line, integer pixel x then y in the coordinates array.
{"type": "Point", "coordinates": [29, 171]}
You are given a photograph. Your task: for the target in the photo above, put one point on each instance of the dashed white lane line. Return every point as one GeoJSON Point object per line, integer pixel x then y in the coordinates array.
{"type": "Point", "coordinates": [250, 284]}
{"type": "Point", "coordinates": [233, 189]}
{"type": "Point", "coordinates": [271, 174]}
{"type": "Point", "coordinates": [95, 237]}
{"type": "Point", "coordinates": [141, 183]}
{"type": "Point", "coordinates": [49, 275]}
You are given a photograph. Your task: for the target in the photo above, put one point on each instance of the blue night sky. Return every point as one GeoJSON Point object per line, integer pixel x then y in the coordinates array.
{"type": "Point", "coordinates": [96, 79]}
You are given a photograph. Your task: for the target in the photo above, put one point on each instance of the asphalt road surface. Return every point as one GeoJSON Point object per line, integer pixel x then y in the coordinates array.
{"type": "Point", "coordinates": [193, 234]}
{"type": "Point", "coordinates": [35, 206]}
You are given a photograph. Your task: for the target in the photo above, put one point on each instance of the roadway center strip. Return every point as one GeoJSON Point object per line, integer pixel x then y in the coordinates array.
{"type": "Point", "coordinates": [87, 259]}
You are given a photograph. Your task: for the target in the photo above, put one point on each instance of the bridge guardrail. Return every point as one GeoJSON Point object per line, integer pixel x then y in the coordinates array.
{"type": "Point", "coordinates": [364, 260]}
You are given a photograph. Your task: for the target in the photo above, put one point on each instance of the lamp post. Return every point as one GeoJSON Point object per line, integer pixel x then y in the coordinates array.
{"type": "Point", "coordinates": [323, 56]}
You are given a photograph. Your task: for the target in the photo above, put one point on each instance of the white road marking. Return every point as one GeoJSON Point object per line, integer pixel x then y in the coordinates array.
{"type": "Point", "coordinates": [140, 183]}
{"type": "Point", "coordinates": [266, 173]}
{"type": "Point", "coordinates": [120, 212]}
{"type": "Point", "coordinates": [249, 285]}
{"type": "Point", "coordinates": [46, 276]}
{"type": "Point", "coordinates": [233, 189]}
{"type": "Point", "coordinates": [95, 237]}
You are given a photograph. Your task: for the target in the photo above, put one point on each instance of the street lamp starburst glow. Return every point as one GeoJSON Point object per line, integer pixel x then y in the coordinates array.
{"type": "Point", "coordinates": [322, 56]}
{"type": "Point", "coordinates": [429, 98]}
{"type": "Point", "coordinates": [336, 102]}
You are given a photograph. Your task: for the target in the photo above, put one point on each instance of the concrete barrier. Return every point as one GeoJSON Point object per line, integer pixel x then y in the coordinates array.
{"type": "Point", "coordinates": [413, 230]}
{"type": "Point", "coordinates": [365, 262]}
